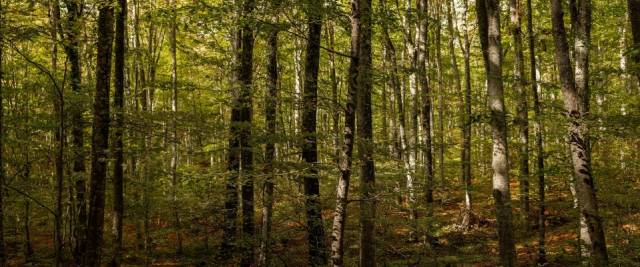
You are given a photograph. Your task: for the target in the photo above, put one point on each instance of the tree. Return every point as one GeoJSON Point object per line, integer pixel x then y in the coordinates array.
{"type": "Point", "coordinates": [345, 160]}
{"type": "Point", "coordinates": [365, 139]}
{"type": "Point", "coordinates": [271, 113]}
{"type": "Point", "coordinates": [317, 247]}
{"type": "Point", "coordinates": [489, 15]}
{"type": "Point", "coordinates": [634, 19]}
{"type": "Point", "coordinates": [538, 128]}
{"type": "Point", "coordinates": [100, 136]}
{"type": "Point", "coordinates": [575, 103]}
{"type": "Point", "coordinates": [118, 144]}
{"type": "Point", "coordinates": [466, 130]}
{"type": "Point", "coordinates": [523, 109]}
{"type": "Point", "coordinates": [3, 253]}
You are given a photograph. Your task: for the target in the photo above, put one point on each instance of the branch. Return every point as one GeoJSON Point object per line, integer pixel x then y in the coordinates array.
{"type": "Point", "coordinates": [32, 199]}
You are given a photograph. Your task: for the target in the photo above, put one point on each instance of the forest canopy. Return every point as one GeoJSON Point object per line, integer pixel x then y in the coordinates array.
{"type": "Point", "coordinates": [319, 132]}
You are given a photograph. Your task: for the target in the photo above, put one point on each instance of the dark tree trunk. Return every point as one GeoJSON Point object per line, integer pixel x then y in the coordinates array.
{"type": "Point", "coordinates": [174, 127]}
{"type": "Point", "coordinates": [575, 93]}
{"type": "Point", "coordinates": [342, 191]}
{"type": "Point", "coordinates": [423, 50]}
{"type": "Point", "coordinates": [538, 128]}
{"type": "Point", "coordinates": [271, 109]}
{"type": "Point", "coordinates": [118, 99]}
{"type": "Point", "coordinates": [240, 148]}
{"type": "Point", "coordinates": [490, 13]}
{"type": "Point", "coordinates": [76, 109]}
{"type": "Point", "coordinates": [100, 136]}
{"type": "Point", "coordinates": [317, 246]}
{"type": "Point", "coordinates": [365, 139]}
{"type": "Point", "coordinates": [3, 255]}
{"type": "Point", "coordinates": [634, 19]}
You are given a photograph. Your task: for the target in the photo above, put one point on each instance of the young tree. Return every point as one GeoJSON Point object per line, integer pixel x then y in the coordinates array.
{"type": "Point", "coordinates": [575, 95]}
{"type": "Point", "coordinates": [3, 253]}
{"type": "Point", "coordinates": [538, 128]}
{"type": "Point", "coordinates": [634, 19]}
{"type": "Point", "coordinates": [118, 144]}
{"type": "Point", "coordinates": [317, 247]}
{"type": "Point", "coordinates": [100, 136]}
{"type": "Point", "coordinates": [365, 139]}
{"type": "Point", "coordinates": [271, 109]}
{"type": "Point", "coordinates": [466, 129]}
{"type": "Point", "coordinates": [489, 16]}
{"type": "Point", "coordinates": [523, 109]}
{"type": "Point", "coordinates": [342, 191]}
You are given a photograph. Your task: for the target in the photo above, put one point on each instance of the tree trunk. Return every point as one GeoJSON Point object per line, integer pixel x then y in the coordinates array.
{"type": "Point", "coordinates": [538, 128]}
{"type": "Point", "coordinates": [118, 144]}
{"type": "Point", "coordinates": [342, 191]}
{"type": "Point", "coordinates": [522, 117]}
{"type": "Point", "coordinates": [76, 109]}
{"type": "Point", "coordinates": [489, 11]}
{"type": "Point", "coordinates": [175, 182]}
{"type": "Point", "coordinates": [634, 19]}
{"type": "Point", "coordinates": [317, 247]}
{"type": "Point", "coordinates": [575, 93]}
{"type": "Point", "coordinates": [58, 105]}
{"type": "Point", "coordinates": [422, 46]}
{"type": "Point", "coordinates": [100, 136]}
{"type": "Point", "coordinates": [365, 138]}
{"type": "Point", "coordinates": [441, 92]}
{"type": "Point", "coordinates": [271, 109]}
{"type": "Point", "coordinates": [3, 255]}
{"type": "Point", "coordinates": [466, 129]}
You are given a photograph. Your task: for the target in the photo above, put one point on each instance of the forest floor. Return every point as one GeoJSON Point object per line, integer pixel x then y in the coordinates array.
{"type": "Point", "coordinates": [448, 245]}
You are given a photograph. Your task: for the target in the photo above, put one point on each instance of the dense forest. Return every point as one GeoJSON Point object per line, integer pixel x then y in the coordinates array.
{"type": "Point", "coordinates": [319, 132]}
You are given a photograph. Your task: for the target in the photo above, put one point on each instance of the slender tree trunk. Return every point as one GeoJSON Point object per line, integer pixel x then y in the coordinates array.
{"type": "Point", "coordinates": [575, 93]}
{"type": "Point", "coordinates": [271, 109]}
{"type": "Point", "coordinates": [538, 128]}
{"type": "Point", "coordinates": [100, 136]}
{"type": "Point", "coordinates": [3, 254]}
{"type": "Point", "coordinates": [466, 130]}
{"type": "Point", "coordinates": [118, 144]}
{"type": "Point", "coordinates": [634, 19]}
{"type": "Point", "coordinates": [342, 191]}
{"type": "Point", "coordinates": [174, 128]}
{"type": "Point", "coordinates": [317, 247]}
{"type": "Point", "coordinates": [522, 118]}
{"type": "Point", "coordinates": [422, 46]}
{"type": "Point", "coordinates": [365, 138]}
{"type": "Point", "coordinates": [441, 92]}
{"type": "Point", "coordinates": [76, 109]}
{"type": "Point", "coordinates": [489, 11]}
{"type": "Point", "coordinates": [58, 104]}
{"type": "Point", "coordinates": [335, 118]}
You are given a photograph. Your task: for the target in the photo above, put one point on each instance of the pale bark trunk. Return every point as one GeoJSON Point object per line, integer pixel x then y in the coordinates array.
{"type": "Point", "coordinates": [575, 93]}
{"type": "Point", "coordinates": [466, 130]}
{"type": "Point", "coordinates": [342, 190]}
{"type": "Point", "coordinates": [489, 10]}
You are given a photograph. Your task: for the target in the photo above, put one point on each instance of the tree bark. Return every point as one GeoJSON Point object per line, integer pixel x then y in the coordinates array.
{"type": "Point", "coordinates": [365, 139]}
{"type": "Point", "coordinates": [538, 128]}
{"type": "Point", "coordinates": [342, 191]}
{"type": "Point", "coordinates": [3, 254]}
{"type": "Point", "coordinates": [489, 11]}
{"type": "Point", "coordinates": [522, 109]}
{"type": "Point", "coordinates": [634, 19]}
{"type": "Point", "coordinates": [118, 144]}
{"type": "Point", "coordinates": [575, 95]}
{"type": "Point", "coordinates": [466, 129]}
{"type": "Point", "coordinates": [100, 136]}
{"type": "Point", "coordinates": [71, 31]}
{"type": "Point", "coordinates": [422, 46]}
{"type": "Point", "coordinates": [317, 246]}
{"type": "Point", "coordinates": [175, 182]}
{"type": "Point", "coordinates": [271, 109]}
